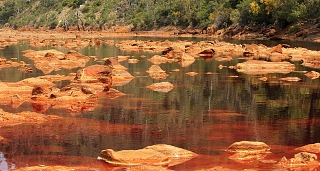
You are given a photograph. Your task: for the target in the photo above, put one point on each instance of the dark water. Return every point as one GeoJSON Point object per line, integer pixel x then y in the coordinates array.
{"type": "Point", "coordinates": [204, 113]}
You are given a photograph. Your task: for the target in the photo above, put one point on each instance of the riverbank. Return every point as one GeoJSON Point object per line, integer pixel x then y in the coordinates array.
{"type": "Point", "coordinates": [307, 32]}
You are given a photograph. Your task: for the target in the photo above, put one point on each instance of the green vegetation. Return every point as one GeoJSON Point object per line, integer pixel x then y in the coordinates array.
{"type": "Point", "coordinates": [149, 14]}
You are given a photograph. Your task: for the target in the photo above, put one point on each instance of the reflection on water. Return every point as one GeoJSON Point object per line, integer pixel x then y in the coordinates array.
{"type": "Point", "coordinates": [203, 113]}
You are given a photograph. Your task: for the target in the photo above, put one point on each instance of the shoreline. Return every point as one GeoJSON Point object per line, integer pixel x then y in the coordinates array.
{"type": "Point", "coordinates": [219, 34]}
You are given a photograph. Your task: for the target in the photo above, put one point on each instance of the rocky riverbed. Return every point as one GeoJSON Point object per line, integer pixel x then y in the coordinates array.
{"type": "Point", "coordinates": [90, 83]}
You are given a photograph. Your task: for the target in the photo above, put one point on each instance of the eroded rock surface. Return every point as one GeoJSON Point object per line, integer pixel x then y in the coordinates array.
{"type": "Point", "coordinates": [55, 168]}
{"type": "Point", "coordinates": [255, 67]}
{"type": "Point", "coordinates": [248, 151]}
{"type": "Point", "coordinates": [53, 60]}
{"type": "Point", "coordinates": [134, 157]}
{"type": "Point", "coordinates": [172, 151]}
{"type": "Point", "coordinates": [161, 87]}
{"type": "Point", "coordinates": [156, 72]}
{"type": "Point", "coordinates": [155, 155]}
{"type": "Point", "coordinates": [312, 148]}
{"type": "Point", "coordinates": [313, 74]}
{"type": "Point", "coordinates": [74, 98]}
{"type": "Point", "coordinates": [12, 119]}
{"type": "Point", "coordinates": [156, 59]}
{"type": "Point", "coordinates": [248, 146]}
{"type": "Point", "coordinates": [95, 74]}
{"type": "Point", "coordinates": [300, 161]}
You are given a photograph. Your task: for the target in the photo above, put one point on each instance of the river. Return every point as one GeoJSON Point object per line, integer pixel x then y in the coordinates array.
{"type": "Point", "coordinates": [204, 113]}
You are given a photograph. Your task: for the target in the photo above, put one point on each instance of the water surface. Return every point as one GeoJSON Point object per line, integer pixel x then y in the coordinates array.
{"type": "Point", "coordinates": [203, 113]}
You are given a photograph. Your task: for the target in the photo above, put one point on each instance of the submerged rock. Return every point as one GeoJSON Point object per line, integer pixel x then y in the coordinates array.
{"type": "Point", "coordinates": [134, 157]}
{"type": "Point", "coordinates": [291, 79]}
{"type": "Point", "coordinates": [155, 155]}
{"type": "Point", "coordinates": [12, 119]}
{"type": "Point", "coordinates": [172, 151]}
{"type": "Point", "coordinates": [247, 157]}
{"type": "Point", "coordinates": [55, 168]}
{"type": "Point", "coordinates": [255, 67]}
{"type": "Point", "coordinates": [147, 168]}
{"type": "Point", "coordinates": [312, 148]}
{"type": "Point", "coordinates": [161, 87]}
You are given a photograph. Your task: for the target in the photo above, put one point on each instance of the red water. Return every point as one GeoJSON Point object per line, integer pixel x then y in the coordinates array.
{"type": "Point", "coordinates": [78, 141]}
{"type": "Point", "coordinates": [205, 114]}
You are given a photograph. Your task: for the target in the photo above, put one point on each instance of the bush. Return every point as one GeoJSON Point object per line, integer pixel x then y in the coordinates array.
{"type": "Point", "coordinates": [85, 9]}
{"type": "Point", "coordinates": [53, 24]}
{"type": "Point", "coordinates": [293, 29]}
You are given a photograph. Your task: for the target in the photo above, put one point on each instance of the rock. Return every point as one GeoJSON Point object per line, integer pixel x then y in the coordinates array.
{"type": "Point", "coordinates": [154, 155]}
{"type": "Point", "coordinates": [12, 119]}
{"type": "Point", "coordinates": [86, 89]}
{"type": "Point", "coordinates": [114, 64]}
{"type": "Point", "coordinates": [138, 45]}
{"type": "Point", "coordinates": [248, 54]}
{"type": "Point", "coordinates": [313, 74]}
{"type": "Point", "coordinates": [161, 87]}
{"type": "Point", "coordinates": [301, 161]}
{"type": "Point", "coordinates": [248, 151]}
{"type": "Point", "coordinates": [167, 50]}
{"type": "Point", "coordinates": [37, 90]}
{"type": "Point", "coordinates": [32, 82]}
{"type": "Point", "coordinates": [113, 93]}
{"type": "Point", "coordinates": [122, 58]}
{"type": "Point", "coordinates": [176, 154]}
{"type": "Point", "coordinates": [276, 49]}
{"type": "Point", "coordinates": [248, 146]}
{"type": "Point", "coordinates": [133, 61]}
{"type": "Point", "coordinates": [172, 151]}
{"type": "Point", "coordinates": [254, 67]}
{"type": "Point", "coordinates": [121, 77]}
{"type": "Point", "coordinates": [247, 157]}
{"type": "Point", "coordinates": [311, 61]}
{"type": "Point", "coordinates": [278, 57]}
{"type": "Point", "coordinates": [186, 60]}
{"type": "Point", "coordinates": [312, 148]}
{"type": "Point", "coordinates": [95, 74]}
{"type": "Point", "coordinates": [14, 95]}
{"type": "Point", "coordinates": [55, 168]}
{"type": "Point", "coordinates": [174, 54]}
{"type": "Point", "coordinates": [207, 53]}
{"type": "Point", "coordinates": [192, 73]}
{"type": "Point", "coordinates": [290, 79]}
{"type": "Point", "coordinates": [53, 60]}
{"type": "Point", "coordinates": [74, 98]}
{"type": "Point", "coordinates": [147, 168]}
{"type": "Point", "coordinates": [156, 72]}
{"type": "Point", "coordinates": [156, 59]}
{"type": "Point", "coordinates": [72, 101]}
{"type": "Point", "coordinates": [25, 69]}
{"type": "Point", "coordinates": [271, 32]}
{"type": "Point", "coordinates": [134, 157]}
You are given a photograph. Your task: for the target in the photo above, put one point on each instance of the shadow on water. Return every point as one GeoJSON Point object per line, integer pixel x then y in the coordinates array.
{"type": "Point", "coordinates": [204, 113]}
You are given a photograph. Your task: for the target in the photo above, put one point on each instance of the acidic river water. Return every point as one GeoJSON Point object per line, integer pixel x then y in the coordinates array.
{"type": "Point", "coordinates": [204, 113]}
